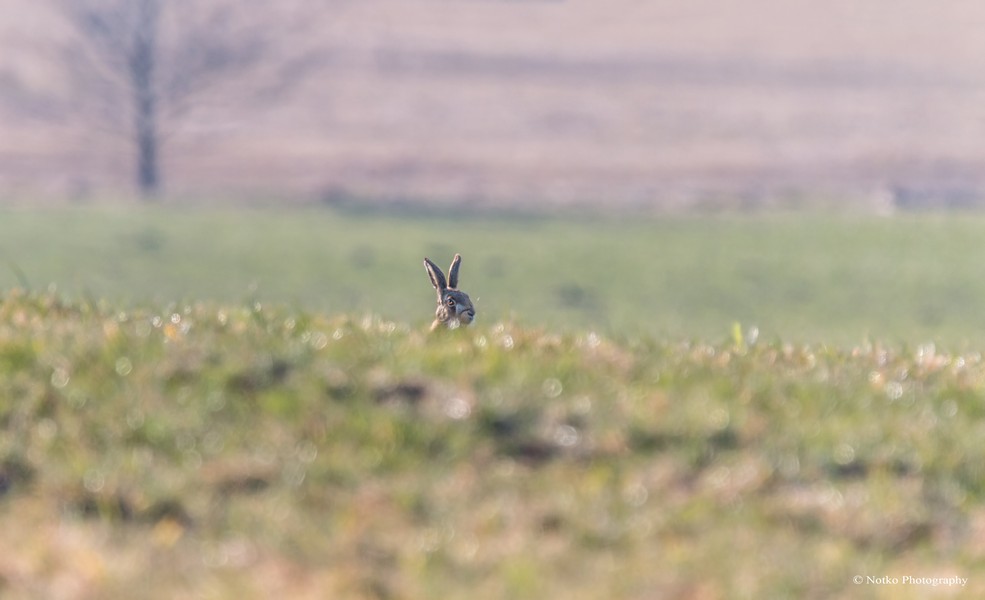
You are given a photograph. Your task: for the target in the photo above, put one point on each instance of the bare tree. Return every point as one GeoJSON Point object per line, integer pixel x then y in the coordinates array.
{"type": "Point", "coordinates": [152, 60]}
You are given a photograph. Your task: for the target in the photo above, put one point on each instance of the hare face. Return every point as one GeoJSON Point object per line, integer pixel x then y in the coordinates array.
{"type": "Point", "coordinates": [454, 306]}
{"type": "Point", "coordinates": [455, 309]}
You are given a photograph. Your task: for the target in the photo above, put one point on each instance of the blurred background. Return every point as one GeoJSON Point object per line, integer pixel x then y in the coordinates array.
{"type": "Point", "coordinates": [631, 104]}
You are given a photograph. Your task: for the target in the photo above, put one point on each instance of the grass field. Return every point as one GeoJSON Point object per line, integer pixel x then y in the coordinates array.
{"type": "Point", "coordinates": [237, 452]}
{"type": "Point", "coordinates": [799, 278]}
{"type": "Point", "coordinates": [247, 405]}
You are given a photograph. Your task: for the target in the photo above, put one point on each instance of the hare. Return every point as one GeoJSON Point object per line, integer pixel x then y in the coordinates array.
{"type": "Point", "coordinates": [454, 306]}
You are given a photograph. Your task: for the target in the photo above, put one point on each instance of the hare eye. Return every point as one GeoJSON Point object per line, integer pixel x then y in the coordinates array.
{"type": "Point", "coordinates": [451, 302]}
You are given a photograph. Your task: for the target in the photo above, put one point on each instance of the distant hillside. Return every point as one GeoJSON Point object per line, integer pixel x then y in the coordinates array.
{"type": "Point", "coordinates": [639, 104]}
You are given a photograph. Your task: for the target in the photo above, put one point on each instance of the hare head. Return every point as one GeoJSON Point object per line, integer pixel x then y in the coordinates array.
{"type": "Point", "coordinates": [454, 306]}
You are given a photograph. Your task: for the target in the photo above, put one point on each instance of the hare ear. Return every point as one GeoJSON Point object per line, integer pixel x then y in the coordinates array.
{"type": "Point", "coordinates": [437, 277]}
{"type": "Point", "coordinates": [453, 271]}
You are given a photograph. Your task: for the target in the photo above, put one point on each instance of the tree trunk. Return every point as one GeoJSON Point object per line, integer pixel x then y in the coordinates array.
{"type": "Point", "coordinates": [148, 176]}
{"type": "Point", "coordinates": [142, 78]}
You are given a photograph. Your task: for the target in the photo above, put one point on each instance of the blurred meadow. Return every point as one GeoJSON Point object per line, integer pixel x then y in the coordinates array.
{"type": "Point", "coordinates": [726, 259]}
{"type": "Point", "coordinates": [251, 451]}
{"type": "Point", "coordinates": [247, 404]}
{"type": "Point", "coordinates": [837, 280]}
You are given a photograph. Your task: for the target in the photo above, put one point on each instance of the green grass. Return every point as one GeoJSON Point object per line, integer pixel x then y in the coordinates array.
{"type": "Point", "coordinates": [236, 451]}
{"type": "Point", "coordinates": [248, 405]}
{"type": "Point", "coordinates": [817, 279]}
